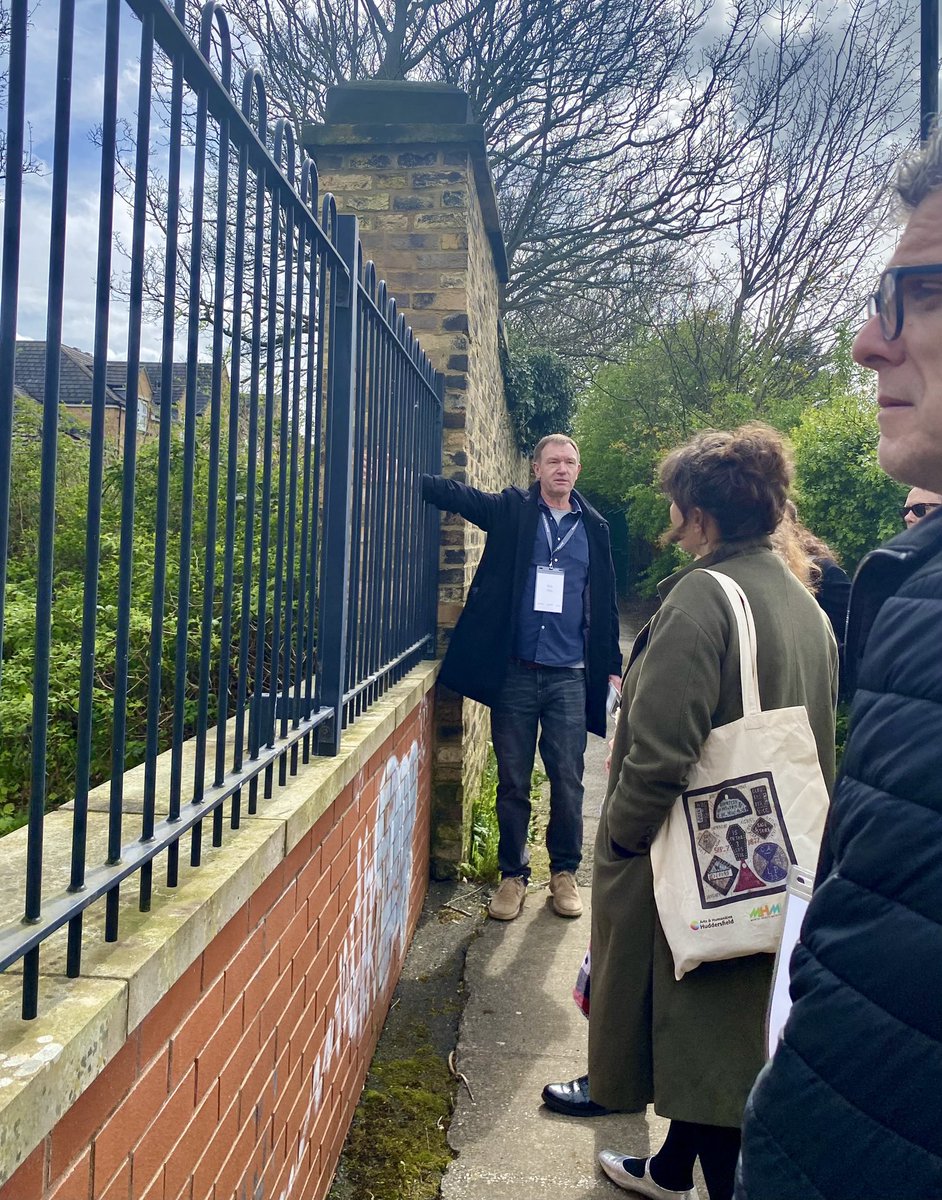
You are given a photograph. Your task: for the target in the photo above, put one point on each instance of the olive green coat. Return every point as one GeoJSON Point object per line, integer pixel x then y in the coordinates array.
{"type": "Point", "coordinates": [692, 1047]}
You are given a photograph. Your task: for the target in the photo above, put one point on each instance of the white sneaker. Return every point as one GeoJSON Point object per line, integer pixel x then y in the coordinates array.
{"type": "Point", "coordinates": [507, 901]}
{"type": "Point", "coordinates": [612, 1163]}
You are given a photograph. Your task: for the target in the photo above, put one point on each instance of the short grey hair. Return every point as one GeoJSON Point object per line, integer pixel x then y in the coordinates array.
{"type": "Point", "coordinates": [554, 437]}
{"type": "Point", "coordinates": [920, 172]}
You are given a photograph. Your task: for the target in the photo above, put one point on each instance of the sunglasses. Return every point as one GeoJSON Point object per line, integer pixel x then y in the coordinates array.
{"type": "Point", "coordinates": [918, 510]}
{"type": "Point", "coordinates": [916, 286]}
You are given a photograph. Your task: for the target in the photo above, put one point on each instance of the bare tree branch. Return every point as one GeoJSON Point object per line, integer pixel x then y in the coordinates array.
{"type": "Point", "coordinates": [649, 158]}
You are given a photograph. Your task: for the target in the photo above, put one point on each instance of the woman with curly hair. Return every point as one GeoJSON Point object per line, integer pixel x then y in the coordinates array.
{"type": "Point", "coordinates": [693, 1047]}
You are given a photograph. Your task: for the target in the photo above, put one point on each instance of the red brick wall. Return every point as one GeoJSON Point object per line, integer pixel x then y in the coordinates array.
{"type": "Point", "coordinates": [241, 1083]}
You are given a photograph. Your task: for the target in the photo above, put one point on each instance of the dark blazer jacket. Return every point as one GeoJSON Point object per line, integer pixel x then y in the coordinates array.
{"type": "Point", "coordinates": [479, 651]}
{"type": "Point", "coordinates": [833, 595]}
{"type": "Point", "coordinates": [848, 1109]}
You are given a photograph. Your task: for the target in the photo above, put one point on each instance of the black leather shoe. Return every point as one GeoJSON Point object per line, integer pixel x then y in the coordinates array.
{"type": "Point", "coordinates": [572, 1099]}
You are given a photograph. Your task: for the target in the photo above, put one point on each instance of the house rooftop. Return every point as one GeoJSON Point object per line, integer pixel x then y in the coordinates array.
{"type": "Point", "coordinates": [75, 375]}
{"type": "Point", "coordinates": [76, 368]}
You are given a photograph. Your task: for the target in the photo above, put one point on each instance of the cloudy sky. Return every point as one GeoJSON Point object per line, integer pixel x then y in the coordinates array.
{"type": "Point", "coordinates": [84, 168]}
{"type": "Point", "coordinates": [83, 205]}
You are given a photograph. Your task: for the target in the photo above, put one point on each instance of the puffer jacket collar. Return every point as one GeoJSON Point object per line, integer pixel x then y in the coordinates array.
{"type": "Point", "coordinates": [879, 576]}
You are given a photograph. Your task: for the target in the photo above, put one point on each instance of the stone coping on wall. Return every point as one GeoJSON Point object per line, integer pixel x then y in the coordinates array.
{"type": "Point", "coordinates": [400, 101]}
{"type": "Point", "coordinates": [445, 138]}
{"type": "Point", "coordinates": [47, 1063]}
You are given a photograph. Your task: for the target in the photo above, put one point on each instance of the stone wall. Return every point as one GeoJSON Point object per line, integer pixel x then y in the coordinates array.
{"type": "Point", "coordinates": [428, 219]}
{"type": "Point", "coordinates": [485, 445]}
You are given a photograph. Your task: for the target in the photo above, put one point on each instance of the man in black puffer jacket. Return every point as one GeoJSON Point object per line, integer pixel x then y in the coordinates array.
{"type": "Point", "coordinates": [850, 1108]}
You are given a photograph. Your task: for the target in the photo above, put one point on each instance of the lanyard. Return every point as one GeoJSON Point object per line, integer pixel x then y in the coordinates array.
{"type": "Point", "coordinates": [549, 537]}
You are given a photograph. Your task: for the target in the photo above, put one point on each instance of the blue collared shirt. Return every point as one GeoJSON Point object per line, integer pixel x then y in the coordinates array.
{"type": "Point", "coordinates": [556, 639]}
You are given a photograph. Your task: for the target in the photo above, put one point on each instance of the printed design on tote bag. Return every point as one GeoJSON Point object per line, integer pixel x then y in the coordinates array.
{"type": "Point", "coordinates": [738, 839]}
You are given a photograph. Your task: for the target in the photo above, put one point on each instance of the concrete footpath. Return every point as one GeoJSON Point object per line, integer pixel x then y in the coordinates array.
{"type": "Point", "coordinates": [520, 1030]}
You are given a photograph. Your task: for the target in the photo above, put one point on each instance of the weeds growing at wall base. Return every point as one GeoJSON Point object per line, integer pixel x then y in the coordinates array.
{"type": "Point", "coordinates": [481, 865]}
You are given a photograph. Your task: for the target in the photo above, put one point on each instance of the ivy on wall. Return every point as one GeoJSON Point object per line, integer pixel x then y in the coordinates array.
{"type": "Point", "coordinates": [539, 390]}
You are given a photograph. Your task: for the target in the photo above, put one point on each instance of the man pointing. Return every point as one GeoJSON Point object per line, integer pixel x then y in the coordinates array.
{"type": "Point", "coordinates": [538, 643]}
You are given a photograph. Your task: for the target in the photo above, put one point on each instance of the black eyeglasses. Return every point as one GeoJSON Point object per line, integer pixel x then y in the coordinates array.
{"type": "Point", "coordinates": [915, 285]}
{"type": "Point", "coordinates": [918, 510]}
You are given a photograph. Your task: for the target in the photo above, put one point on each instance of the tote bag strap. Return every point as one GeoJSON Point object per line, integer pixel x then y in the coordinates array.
{"type": "Point", "coordinates": [748, 670]}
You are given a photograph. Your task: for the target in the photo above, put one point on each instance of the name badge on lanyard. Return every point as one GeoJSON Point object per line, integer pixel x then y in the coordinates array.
{"type": "Point", "coordinates": [550, 581]}
{"type": "Point", "coordinates": [548, 596]}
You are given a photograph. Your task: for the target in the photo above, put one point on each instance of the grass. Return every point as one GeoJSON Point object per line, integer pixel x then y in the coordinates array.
{"type": "Point", "coordinates": [481, 866]}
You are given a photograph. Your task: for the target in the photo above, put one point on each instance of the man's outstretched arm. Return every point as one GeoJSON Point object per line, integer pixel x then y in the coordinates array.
{"type": "Point", "coordinates": [480, 508]}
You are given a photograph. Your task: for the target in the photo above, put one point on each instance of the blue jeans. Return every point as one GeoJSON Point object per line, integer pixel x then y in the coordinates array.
{"type": "Point", "coordinates": [552, 698]}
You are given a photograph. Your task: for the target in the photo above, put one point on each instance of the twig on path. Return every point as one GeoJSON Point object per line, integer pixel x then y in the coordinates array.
{"type": "Point", "coordinates": [454, 908]}
{"type": "Point", "coordinates": [475, 891]}
{"type": "Point", "coordinates": [460, 1075]}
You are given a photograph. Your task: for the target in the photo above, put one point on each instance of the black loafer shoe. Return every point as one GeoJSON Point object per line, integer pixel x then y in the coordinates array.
{"type": "Point", "coordinates": [572, 1099]}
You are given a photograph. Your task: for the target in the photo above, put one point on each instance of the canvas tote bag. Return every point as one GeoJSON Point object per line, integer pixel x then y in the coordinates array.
{"type": "Point", "coordinates": [755, 805]}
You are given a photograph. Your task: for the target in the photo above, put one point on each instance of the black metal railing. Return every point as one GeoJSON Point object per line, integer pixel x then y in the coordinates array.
{"type": "Point", "coordinates": [273, 526]}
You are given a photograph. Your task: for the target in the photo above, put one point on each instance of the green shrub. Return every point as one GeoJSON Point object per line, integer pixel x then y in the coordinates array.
{"type": "Point", "coordinates": [638, 408]}
{"type": "Point", "coordinates": [842, 492]}
{"type": "Point", "coordinates": [16, 683]}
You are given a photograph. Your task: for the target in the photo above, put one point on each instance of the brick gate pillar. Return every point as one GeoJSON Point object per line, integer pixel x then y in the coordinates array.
{"type": "Point", "coordinates": [409, 162]}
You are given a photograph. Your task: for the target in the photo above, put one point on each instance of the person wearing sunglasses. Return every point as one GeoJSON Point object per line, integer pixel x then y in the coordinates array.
{"type": "Point", "coordinates": [848, 1107]}
{"type": "Point", "coordinates": [919, 503]}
